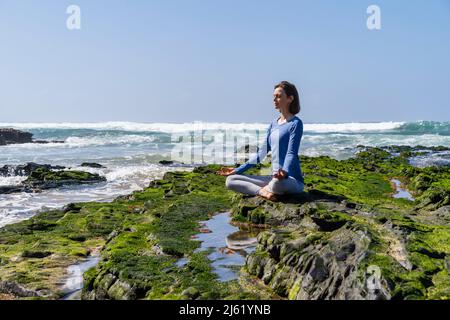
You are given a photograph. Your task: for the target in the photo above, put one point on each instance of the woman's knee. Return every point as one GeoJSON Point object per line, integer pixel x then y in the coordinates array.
{"type": "Point", "coordinates": [276, 186]}
{"type": "Point", "coordinates": [285, 187]}
{"type": "Point", "coordinates": [230, 181]}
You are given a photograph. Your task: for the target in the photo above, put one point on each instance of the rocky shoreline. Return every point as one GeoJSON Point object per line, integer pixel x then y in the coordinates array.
{"type": "Point", "coordinates": [13, 136]}
{"type": "Point", "coordinates": [44, 176]}
{"type": "Point", "coordinates": [346, 237]}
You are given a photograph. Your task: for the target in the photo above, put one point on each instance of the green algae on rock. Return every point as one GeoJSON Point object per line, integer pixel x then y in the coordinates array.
{"type": "Point", "coordinates": [41, 177]}
{"type": "Point", "coordinates": [44, 179]}
{"type": "Point", "coordinates": [145, 258]}
{"type": "Point", "coordinates": [346, 237]}
{"type": "Point", "coordinates": [141, 237]}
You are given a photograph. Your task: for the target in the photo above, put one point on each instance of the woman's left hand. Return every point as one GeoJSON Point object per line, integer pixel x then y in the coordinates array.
{"type": "Point", "coordinates": [226, 171]}
{"type": "Point", "coordinates": [280, 174]}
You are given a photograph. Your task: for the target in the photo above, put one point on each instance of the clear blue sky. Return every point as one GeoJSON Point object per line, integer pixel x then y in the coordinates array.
{"type": "Point", "coordinates": [211, 60]}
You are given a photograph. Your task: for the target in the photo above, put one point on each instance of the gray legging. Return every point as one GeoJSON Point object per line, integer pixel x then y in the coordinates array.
{"type": "Point", "coordinates": [250, 185]}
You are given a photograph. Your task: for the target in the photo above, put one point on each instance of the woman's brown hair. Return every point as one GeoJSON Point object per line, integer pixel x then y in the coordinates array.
{"type": "Point", "coordinates": [291, 91]}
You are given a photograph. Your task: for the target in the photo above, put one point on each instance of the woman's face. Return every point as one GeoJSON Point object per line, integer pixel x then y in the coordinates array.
{"type": "Point", "coordinates": [280, 100]}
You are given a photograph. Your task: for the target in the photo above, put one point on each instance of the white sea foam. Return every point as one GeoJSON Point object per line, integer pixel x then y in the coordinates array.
{"type": "Point", "coordinates": [121, 181]}
{"type": "Point", "coordinates": [140, 127]}
{"type": "Point", "coordinates": [11, 181]}
{"type": "Point", "coordinates": [352, 140]}
{"type": "Point", "coordinates": [130, 156]}
{"type": "Point", "coordinates": [439, 158]}
{"type": "Point", "coordinates": [352, 127]}
{"type": "Point", "coordinates": [91, 141]}
{"type": "Point", "coordinates": [198, 125]}
{"type": "Point", "coordinates": [106, 140]}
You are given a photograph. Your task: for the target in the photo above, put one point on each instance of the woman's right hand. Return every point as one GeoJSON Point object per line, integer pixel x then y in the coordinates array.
{"type": "Point", "coordinates": [224, 171]}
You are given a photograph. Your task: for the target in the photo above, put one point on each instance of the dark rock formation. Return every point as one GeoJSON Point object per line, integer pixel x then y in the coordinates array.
{"type": "Point", "coordinates": [25, 170]}
{"type": "Point", "coordinates": [16, 290]}
{"type": "Point", "coordinates": [346, 237]}
{"type": "Point", "coordinates": [47, 141]}
{"type": "Point", "coordinates": [45, 176]}
{"type": "Point", "coordinates": [13, 136]}
{"type": "Point", "coordinates": [165, 162]}
{"type": "Point", "coordinates": [170, 163]}
{"type": "Point", "coordinates": [92, 165]}
{"type": "Point", "coordinates": [311, 254]}
{"type": "Point", "coordinates": [42, 178]}
{"type": "Point", "coordinates": [11, 189]}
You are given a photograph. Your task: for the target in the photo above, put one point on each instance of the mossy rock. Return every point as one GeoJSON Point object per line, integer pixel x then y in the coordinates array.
{"type": "Point", "coordinates": [346, 222]}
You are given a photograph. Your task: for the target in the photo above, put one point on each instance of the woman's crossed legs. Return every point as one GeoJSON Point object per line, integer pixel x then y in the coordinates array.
{"type": "Point", "coordinates": [251, 185]}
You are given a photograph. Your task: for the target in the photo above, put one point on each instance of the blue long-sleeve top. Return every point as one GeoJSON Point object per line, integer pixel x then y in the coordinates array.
{"type": "Point", "coordinates": [284, 142]}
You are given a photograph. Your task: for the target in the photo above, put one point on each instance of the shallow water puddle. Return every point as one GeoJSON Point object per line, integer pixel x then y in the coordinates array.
{"type": "Point", "coordinates": [401, 192]}
{"type": "Point", "coordinates": [229, 245]}
{"type": "Point", "coordinates": [74, 282]}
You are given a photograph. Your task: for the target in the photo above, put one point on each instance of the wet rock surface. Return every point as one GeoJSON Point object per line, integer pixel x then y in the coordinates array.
{"type": "Point", "coordinates": [346, 237]}
{"type": "Point", "coordinates": [337, 243]}
{"type": "Point", "coordinates": [312, 254]}
{"type": "Point", "coordinates": [45, 176]}
{"type": "Point", "coordinates": [92, 165]}
{"type": "Point", "coordinates": [26, 170]}
{"type": "Point", "coordinates": [13, 136]}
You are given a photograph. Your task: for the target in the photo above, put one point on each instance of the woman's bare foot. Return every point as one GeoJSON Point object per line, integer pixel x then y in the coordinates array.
{"type": "Point", "coordinates": [266, 194]}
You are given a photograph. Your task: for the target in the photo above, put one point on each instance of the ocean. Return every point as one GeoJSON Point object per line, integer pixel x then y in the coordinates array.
{"type": "Point", "coordinates": [131, 152]}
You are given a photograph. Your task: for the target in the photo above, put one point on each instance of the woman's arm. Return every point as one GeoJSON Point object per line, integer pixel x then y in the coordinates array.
{"type": "Point", "coordinates": [295, 136]}
{"type": "Point", "coordinates": [257, 157]}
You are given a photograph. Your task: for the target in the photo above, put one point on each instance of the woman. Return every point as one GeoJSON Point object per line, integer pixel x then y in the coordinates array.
{"type": "Point", "coordinates": [283, 139]}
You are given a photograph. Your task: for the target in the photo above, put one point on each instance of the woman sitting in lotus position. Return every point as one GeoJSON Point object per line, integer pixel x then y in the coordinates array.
{"type": "Point", "coordinates": [283, 139]}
